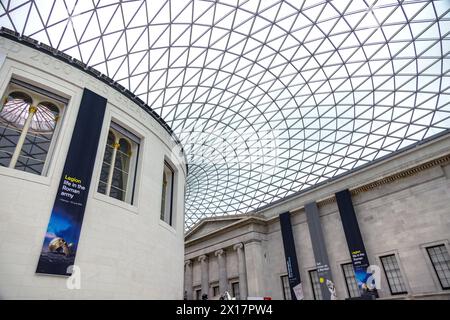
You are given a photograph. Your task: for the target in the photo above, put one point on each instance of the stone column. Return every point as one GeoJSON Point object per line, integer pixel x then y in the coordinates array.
{"type": "Point", "coordinates": [188, 287]}
{"type": "Point", "coordinates": [116, 146]}
{"type": "Point", "coordinates": [254, 261]}
{"type": "Point", "coordinates": [205, 274]}
{"type": "Point", "coordinates": [242, 273]}
{"type": "Point", "coordinates": [223, 277]}
{"type": "Point", "coordinates": [31, 112]}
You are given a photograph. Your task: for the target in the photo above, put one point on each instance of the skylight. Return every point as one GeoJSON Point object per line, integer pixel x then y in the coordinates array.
{"type": "Point", "coordinates": [268, 97]}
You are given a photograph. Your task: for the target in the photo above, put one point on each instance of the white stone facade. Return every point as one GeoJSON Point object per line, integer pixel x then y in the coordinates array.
{"type": "Point", "coordinates": [403, 216]}
{"type": "Point", "coordinates": [125, 251]}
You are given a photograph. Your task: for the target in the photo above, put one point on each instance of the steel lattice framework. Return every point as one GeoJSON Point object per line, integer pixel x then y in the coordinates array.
{"type": "Point", "coordinates": [268, 97]}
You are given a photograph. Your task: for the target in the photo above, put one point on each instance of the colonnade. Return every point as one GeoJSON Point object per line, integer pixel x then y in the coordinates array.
{"type": "Point", "coordinates": [204, 261]}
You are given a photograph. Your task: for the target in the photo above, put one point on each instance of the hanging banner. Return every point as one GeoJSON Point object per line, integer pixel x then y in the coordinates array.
{"type": "Point", "coordinates": [295, 282]}
{"type": "Point", "coordinates": [355, 242]}
{"type": "Point", "coordinates": [63, 231]}
{"type": "Point", "coordinates": [320, 252]}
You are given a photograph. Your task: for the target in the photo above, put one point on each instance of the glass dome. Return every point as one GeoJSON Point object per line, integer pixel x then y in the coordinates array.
{"type": "Point", "coordinates": [269, 98]}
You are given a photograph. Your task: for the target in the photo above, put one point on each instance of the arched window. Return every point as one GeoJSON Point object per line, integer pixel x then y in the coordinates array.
{"type": "Point", "coordinates": [163, 196]}
{"type": "Point", "coordinates": [121, 170]}
{"type": "Point", "coordinates": [106, 166]}
{"type": "Point", "coordinates": [118, 168]}
{"type": "Point", "coordinates": [38, 138]}
{"type": "Point", "coordinates": [28, 120]}
{"type": "Point", "coordinates": [13, 115]}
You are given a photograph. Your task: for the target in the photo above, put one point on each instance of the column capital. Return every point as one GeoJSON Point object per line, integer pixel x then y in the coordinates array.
{"type": "Point", "coordinates": [238, 246]}
{"type": "Point", "coordinates": [187, 262]}
{"type": "Point", "coordinates": [219, 252]}
{"type": "Point", "coordinates": [202, 258]}
{"type": "Point", "coordinates": [32, 109]}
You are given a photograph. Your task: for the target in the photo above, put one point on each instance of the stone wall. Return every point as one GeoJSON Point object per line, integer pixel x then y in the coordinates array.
{"type": "Point", "coordinates": [401, 210]}
{"type": "Point", "coordinates": [125, 251]}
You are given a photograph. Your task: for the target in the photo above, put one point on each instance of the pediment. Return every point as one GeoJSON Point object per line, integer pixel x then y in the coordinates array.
{"type": "Point", "coordinates": [209, 225]}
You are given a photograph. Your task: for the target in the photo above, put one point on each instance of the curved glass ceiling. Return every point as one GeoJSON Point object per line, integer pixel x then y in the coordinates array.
{"type": "Point", "coordinates": [268, 97]}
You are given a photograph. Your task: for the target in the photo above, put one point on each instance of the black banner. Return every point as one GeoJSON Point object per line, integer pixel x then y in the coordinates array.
{"type": "Point", "coordinates": [63, 231]}
{"type": "Point", "coordinates": [327, 286]}
{"type": "Point", "coordinates": [355, 242]}
{"type": "Point", "coordinates": [295, 282]}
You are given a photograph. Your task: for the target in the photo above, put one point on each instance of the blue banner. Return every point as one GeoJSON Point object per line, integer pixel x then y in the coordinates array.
{"type": "Point", "coordinates": [63, 231]}
{"type": "Point", "coordinates": [355, 242]}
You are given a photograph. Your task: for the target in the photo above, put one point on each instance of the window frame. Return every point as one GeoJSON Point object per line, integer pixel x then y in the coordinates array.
{"type": "Point", "coordinates": [310, 273]}
{"type": "Point", "coordinates": [172, 190]}
{"type": "Point", "coordinates": [399, 270]}
{"type": "Point", "coordinates": [284, 288]}
{"type": "Point", "coordinates": [198, 294]}
{"type": "Point", "coordinates": [233, 292]}
{"type": "Point", "coordinates": [214, 288]}
{"type": "Point", "coordinates": [135, 142]}
{"type": "Point", "coordinates": [346, 282]}
{"type": "Point", "coordinates": [433, 265]}
{"type": "Point", "coordinates": [43, 93]}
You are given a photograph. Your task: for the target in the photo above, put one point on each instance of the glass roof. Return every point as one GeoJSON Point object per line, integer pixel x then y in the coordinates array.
{"type": "Point", "coordinates": [268, 97]}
